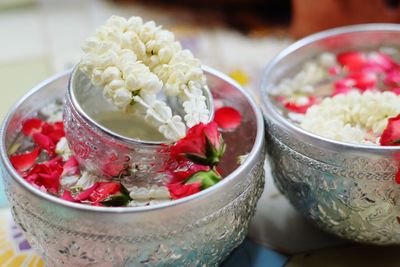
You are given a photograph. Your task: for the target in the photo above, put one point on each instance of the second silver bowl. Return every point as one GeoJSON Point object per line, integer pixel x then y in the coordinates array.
{"type": "Point", "coordinates": [346, 189]}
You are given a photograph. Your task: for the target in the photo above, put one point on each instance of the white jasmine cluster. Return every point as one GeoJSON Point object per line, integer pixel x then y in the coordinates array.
{"type": "Point", "coordinates": [354, 117]}
{"type": "Point", "coordinates": [304, 81]}
{"type": "Point", "coordinates": [134, 61]}
{"type": "Point", "coordinates": [144, 196]}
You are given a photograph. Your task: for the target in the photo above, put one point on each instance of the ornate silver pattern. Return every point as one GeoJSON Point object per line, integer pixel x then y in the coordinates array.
{"type": "Point", "coordinates": [346, 189]}
{"type": "Point", "coordinates": [200, 231]}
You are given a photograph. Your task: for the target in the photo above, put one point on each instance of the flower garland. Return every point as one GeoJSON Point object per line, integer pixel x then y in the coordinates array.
{"type": "Point", "coordinates": [133, 61]}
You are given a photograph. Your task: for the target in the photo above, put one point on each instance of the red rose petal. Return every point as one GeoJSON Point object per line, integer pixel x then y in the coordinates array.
{"type": "Point", "coordinates": [181, 176]}
{"type": "Point", "coordinates": [104, 190]}
{"type": "Point", "coordinates": [364, 80]}
{"type": "Point", "coordinates": [178, 191]}
{"type": "Point", "coordinates": [44, 142]}
{"type": "Point", "coordinates": [227, 118]}
{"type": "Point", "coordinates": [392, 78]}
{"type": "Point", "coordinates": [54, 131]}
{"type": "Point", "coordinates": [382, 61]}
{"type": "Point", "coordinates": [24, 162]}
{"type": "Point", "coordinates": [333, 71]}
{"type": "Point", "coordinates": [67, 196]}
{"type": "Point", "coordinates": [84, 195]}
{"type": "Point", "coordinates": [352, 60]}
{"type": "Point", "coordinates": [397, 178]}
{"type": "Point", "coordinates": [292, 106]}
{"type": "Point", "coordinates": [31, 126]}
{"type": "Point", "coordinates": [391, 134]}
{"type": "Point", "coordinates": [71, 166]}
{"type": "Point", "coordinates": [396, 90]}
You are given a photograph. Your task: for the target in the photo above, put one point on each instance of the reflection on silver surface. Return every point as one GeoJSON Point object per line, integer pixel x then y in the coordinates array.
{"type": "Point", "coordinates": [200, 230]}
{"type": "Point", "coordinates": [346, 189]}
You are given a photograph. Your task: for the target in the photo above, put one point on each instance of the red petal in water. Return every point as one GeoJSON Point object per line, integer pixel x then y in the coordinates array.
{"type": "Point", "coordinates": [364, 80]}
{"type": "Point", "coordinates": [84, 195]}
{"type": "Point", "coordinates": [391, 134]}
{"type": "Point", "coordinates": [397, 178]}
{"type": "Point", "coordinates": [44, 142]}
{"type": "Point", "coordinates": [333, 71]}
{"type": "Point", "coordinates": [68, 197]}
{"type": "Point", "coordinates": [382, 61]}
{"type": "Point", "coordinates": [183, 190]}
{"type": "Point", "coordinates": [396, 90]}
{"type": "Point", "coordinates": [352, 60]}
{"type": "Point", "coordinates": [47, 174]}
{"type": "Point", "coordinates": [104, 190]}
{"type": "Point", "coordinates": [292, 106]}
{"type": "Point", "coordinates": [227, 118]}
{"type": "Point", "coordinates": [25, 161]}
{"type": "Point", "coordinates": [31, 126]}
{"type": "Point", "coordinates": [54, 131]}
{"type": "Point", "coordinates": [392, 78]}
{"type": "Point", "coordinates": [181, 176]}
{"type": "Point", "coordinates": [71, 167]}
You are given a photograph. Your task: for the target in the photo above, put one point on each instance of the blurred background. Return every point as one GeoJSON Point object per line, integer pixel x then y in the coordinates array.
{"type": "Point", "coordinates": [239, 37]}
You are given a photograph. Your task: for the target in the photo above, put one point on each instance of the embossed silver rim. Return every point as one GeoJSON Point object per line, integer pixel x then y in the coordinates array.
{"type": "Point", "coordinates": [253, 157]}
{"type": "Point", "coordinates": [111, 134]}
{"type": "Point", "coordinates": [271, 113]}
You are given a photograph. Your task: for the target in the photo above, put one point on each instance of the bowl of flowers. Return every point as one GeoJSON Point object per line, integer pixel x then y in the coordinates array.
{"type": "Point", "coordinates": [331, 103]}
{"type": "Point", "coordinates": [164, 168]}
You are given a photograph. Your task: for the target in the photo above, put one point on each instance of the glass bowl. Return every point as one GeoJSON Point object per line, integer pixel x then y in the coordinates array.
{"type": "Point", "coordinates": [346, 189]}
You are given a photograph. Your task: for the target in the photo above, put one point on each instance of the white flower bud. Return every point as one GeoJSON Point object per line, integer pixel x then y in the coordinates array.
{"type": "Point", "coordinates": [122, 98]}
{"type": "Point", "coordinates": [110, 74]}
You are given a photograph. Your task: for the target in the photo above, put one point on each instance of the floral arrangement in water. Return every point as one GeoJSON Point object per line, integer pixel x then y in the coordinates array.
{"type": "Point", "coordinates": [42, 157]}
{"type": "Point", "coordinates": [134, 62]}
{"type": "Point", "coordinates": [348, 97]}
{"type": "Point", "coordinates": [353, 97]}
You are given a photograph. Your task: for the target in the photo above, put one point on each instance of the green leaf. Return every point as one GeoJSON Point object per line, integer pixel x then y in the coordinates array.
{"type": "Point", "coordinates": [395, 141]}
{"type": "Point", "coordinates": [134, 93]}
{"type": "Point", "coordinates": [118, 200]}
{"type": "Point", "coordinates": [207, 178]}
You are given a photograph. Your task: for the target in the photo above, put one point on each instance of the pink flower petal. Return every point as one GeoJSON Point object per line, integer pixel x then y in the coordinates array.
{"type": "Point", "coordinates": [227, 118]}
{"type": "Point", "coordinates": [24, 162]}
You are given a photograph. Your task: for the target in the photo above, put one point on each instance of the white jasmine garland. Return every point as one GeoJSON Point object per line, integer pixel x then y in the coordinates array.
{"type": "Point", "coordinates": [354, 117]}
{"type": "Point", "coordinates": [133, 61]}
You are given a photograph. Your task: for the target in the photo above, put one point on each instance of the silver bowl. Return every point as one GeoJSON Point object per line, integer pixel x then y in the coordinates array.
{"type": "Point", "coordinates": [200, 230]}
{"type": "Point", "coordinates": [348, 190]}
{"type": "Point", "coordinates": [100, 149]}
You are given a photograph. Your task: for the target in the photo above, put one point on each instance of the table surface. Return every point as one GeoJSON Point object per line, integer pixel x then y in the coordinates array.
{"type": "Point", "coordinates": [53, 32]}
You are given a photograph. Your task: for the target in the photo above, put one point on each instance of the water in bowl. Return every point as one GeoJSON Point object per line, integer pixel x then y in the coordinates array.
{"type": "Point", "coordinates": [129, 125]}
